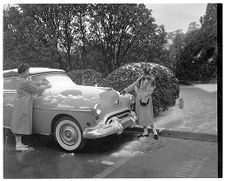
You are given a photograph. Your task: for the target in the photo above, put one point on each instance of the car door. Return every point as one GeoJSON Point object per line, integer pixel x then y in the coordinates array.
{"type": "Point", "coordinates": [9, 95]}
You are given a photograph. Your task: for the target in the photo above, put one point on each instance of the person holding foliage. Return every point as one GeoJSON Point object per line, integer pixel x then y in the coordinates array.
{"type": "Point", "coordinates": [144, 87]}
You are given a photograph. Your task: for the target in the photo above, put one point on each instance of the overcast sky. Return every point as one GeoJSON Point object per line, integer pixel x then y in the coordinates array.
{"type": "Point", "coordinates": [177, 16]}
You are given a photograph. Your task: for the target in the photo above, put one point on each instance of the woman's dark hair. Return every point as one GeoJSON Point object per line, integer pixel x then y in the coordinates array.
{"type": "Point", "coordinates": [22, 68]}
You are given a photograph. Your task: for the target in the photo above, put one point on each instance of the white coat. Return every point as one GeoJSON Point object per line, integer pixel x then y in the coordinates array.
{"type": "Point", "coordinates": [144, 90]}
{"type": "Point", "coordinates": [23, 107]}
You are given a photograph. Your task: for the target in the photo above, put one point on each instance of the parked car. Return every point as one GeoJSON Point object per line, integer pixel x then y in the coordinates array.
{"type": "Point", "coordinates": [71, 112]}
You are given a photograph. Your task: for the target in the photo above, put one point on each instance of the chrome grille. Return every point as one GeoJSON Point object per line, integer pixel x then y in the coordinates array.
{"type": "Point", "coordinates": [119, 115]}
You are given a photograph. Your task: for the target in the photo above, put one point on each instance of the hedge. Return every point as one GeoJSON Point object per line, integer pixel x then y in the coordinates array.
{"type": "Point", "coordinates": [167, 85]}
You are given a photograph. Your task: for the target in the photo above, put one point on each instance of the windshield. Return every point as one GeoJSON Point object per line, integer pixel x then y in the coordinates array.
{"type": "Point", "coordinates": [53, 78]}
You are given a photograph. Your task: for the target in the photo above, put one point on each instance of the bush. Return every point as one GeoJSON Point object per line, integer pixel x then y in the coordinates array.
{"type": "Point", "coordinates": [167, 86]}
{"type": "Point", "coordinates": [90, 77]}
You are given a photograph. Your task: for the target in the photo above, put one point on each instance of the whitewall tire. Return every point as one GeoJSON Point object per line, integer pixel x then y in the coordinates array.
{"type": "Point", "coordinates": [68, 134]}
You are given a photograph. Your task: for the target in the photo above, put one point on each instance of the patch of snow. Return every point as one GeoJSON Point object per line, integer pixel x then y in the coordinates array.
{"type": "Point", "coordinates": [10, 105]}
{"type": "Point", "coordinates": [106, 162]}
{"type": "Point", "coordinates": [83, 107]}
{"type": "Point", "coordinates": [207, 87]}
{"type": "Point", "coordinates": [60, 96]}
{"type": "Point", "coordinates": [46, 98]}
{"type": "Point", "coordinates": [75, 97]}
{"type": "Point", "coordinates": [126, 153]}
{"type": "Point", "coordinates": [130, 150]}
{"type": "Point", "coordinates": [135, 66]}
{"type": "Point", "coordinates": [49, 100]}
{"type": "Point", "coordinates": [64, 106]}
{"type": "Point", "coordinates": [167, 118]}
{"type": "Point", "coordinates": [53, 101]}
{"type": "Point", "coordinates": [67, 154]}
{"type": "Point", "coordinates": [132, 145]}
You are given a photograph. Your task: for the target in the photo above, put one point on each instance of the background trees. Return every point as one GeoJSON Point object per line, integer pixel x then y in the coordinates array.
{"type": "Point", "coordinates": [196, 58]}
{"type": "Point", "coordinates": [122, 33]}
{"type": "Point", "coordinates": [104, 37]}
{"type": "Point", "coordinates": [70, 36]}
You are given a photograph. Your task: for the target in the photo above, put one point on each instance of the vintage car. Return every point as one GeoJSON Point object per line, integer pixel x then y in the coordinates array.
{"type": "Point", "coordinates": [71, 112]}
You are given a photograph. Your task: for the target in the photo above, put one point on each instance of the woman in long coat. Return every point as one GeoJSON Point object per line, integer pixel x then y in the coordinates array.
{"type": "Point", "coordinates": [144, 87]}
{"type": "Point", "coordinates": [22, 114]}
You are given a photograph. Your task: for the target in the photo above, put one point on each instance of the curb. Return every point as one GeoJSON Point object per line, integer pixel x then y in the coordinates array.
{"type": "Point", "coordinates": [188, 135]}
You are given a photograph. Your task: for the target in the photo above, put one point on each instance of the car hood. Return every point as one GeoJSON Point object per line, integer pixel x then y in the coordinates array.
{"type": "Point", "coordinates": [75, 96]}
{"type": "Point", "coordinates": [89, 92]}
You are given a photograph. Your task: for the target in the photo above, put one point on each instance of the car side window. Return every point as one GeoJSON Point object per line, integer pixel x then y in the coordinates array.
{"type": "Point", "coordinates": [10, 83]}
{"type": "Point", "coordinates": [39, 78]}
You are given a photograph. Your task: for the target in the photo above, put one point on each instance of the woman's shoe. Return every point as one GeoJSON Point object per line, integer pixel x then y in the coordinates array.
{"type": "Point", "coordinates": [25, 145]}
{"type": "Point", "coordinates": [156, 137]}
{"type": "Point", "coordinates": [21, 148]}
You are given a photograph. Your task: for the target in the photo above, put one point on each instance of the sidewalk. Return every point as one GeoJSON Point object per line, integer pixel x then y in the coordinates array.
{"type": "Point", "coordinates": [199, 114]}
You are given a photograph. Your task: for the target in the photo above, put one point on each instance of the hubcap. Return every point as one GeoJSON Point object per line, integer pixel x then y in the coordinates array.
{"type": "Point", "coordinates": [68, 134]}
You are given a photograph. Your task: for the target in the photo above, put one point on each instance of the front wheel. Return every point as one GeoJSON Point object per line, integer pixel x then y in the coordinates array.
{"type": "Point", "coordinates": [68, 134]}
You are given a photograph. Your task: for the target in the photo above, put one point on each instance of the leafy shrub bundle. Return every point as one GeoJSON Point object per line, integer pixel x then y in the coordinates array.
{"type": "Point", "coordinates": [167, 87]}
{"type": "Point", "coordinates": [90, 77]}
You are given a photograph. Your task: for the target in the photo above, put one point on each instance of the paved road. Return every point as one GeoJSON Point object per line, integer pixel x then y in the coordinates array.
{"type": "Point", "coordinates": [47, 160]}
{"type": "Point", "coordinates": [170, 158]}
{"type": "Point", "coordinates": [120, 156]}
{"type": "Point", "coordinates": [125, 156]}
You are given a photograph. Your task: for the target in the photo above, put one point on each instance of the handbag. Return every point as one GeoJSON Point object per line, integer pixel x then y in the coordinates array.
{"type": "Point", "coordinates": [144, 103]}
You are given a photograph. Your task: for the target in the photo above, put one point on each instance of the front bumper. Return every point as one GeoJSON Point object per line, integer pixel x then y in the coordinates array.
{"type": "Point", "coordinates": [115, 127]}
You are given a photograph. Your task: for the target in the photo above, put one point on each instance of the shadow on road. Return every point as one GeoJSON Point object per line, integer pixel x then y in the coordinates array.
{"type": "Point", "coordinates": [99, 146]}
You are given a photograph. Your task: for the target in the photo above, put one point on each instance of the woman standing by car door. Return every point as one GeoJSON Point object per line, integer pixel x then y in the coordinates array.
{"type": "Point", "coordinates": [144, 87]}
{"type": "Point", "coordinates": [22, 114]}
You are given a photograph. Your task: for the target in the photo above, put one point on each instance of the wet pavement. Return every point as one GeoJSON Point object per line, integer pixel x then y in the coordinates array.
{"type": "Point", "coordinates": [126, 156]}
{"type": "Point", "coordinates": [118, 156]}
{"type": "Point", "coordinates": [170, 158]}
{"type": "Point", "coordinates": [47, 160]}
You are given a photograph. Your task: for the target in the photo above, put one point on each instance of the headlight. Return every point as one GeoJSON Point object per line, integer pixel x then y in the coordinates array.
{"type": "Point", "coordinates": [97, 109]}
{"type": "Point", "coordinates": [132, 102]}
